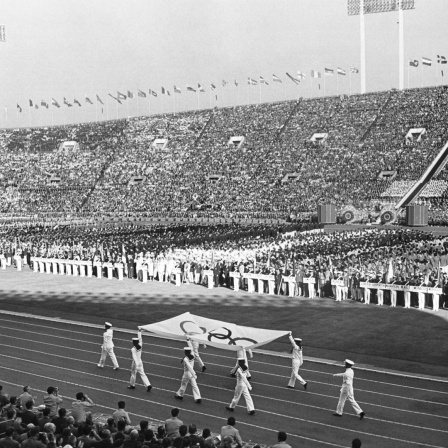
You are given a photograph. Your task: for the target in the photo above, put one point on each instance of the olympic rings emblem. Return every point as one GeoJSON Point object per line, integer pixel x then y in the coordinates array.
{"type": "Point", "coordinates": [184, 327]}
{"type": "Point", "coordinates": [228, 336]}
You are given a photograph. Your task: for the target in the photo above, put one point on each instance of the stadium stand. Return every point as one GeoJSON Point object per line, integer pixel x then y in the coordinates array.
{"type": "Point", "coordinates": [276, 172]}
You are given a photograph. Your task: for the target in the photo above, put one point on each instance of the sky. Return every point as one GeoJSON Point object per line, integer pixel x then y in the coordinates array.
{"type": "Point", "coordinates": [77, 48]}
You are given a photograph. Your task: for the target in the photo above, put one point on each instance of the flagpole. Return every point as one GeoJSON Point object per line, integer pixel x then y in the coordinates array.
{"type": "Point", "coordinates": [259, 92]}
{"type": "Point", "coordinates": [350, 76]}
{"type": "Point", "coordinates": [337, 82]}
{"type": "Point", "coordinates": [408, 74]}
{"type": "Point", "coordinates": [421, 75]}
{"type": "Point", "coordinates": [29, 115]}
{"type": "Point", "coordinates": [137, 104]}
{"type": "Point", "coordinates": [400, 45]}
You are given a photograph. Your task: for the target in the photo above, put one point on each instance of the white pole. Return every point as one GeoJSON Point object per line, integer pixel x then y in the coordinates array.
{"type": "Point", "coordinates": [401, 46]}
{"type": "Point", "coordinates": [363, 46]}
{"type": "Point", "coordinates": [408, 75]}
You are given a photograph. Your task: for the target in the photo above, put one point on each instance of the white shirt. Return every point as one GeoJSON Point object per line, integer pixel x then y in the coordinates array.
{"type": "Point", "coordinates": [189, 366]}
{"type": "Point", "coordinates": [107, 338]}
{"type": "Point", "coordinates": [296, 351]}
{"type": "Point", "coordinates": [137, 354]}
{"type": "Point", "coordinates": [241, 378]}
{"type": "Point", "coordinates": [347, 378]}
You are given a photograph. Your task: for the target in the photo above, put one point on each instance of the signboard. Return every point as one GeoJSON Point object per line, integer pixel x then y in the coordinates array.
{"type": "Point", "coordinates": [375, 6]}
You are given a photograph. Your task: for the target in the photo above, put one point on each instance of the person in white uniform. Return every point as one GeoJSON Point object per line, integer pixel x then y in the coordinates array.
{"type": "Point", "coordinates": [137, 363]}
{"type": "Point", "coordinates": [194, 345]}
{"type": "Point", "coordinates": [242, 388]}
{"type": "Point", "coordinates": [241, 354]}
{"type": "Point", "coordinates": [347, 391]}
{"type": "Point", "coordinates": [108, 347]}
{"type": "Point", "coordinates": [189, 376]}
{"type": "Point", "coordinates": [297, 361]}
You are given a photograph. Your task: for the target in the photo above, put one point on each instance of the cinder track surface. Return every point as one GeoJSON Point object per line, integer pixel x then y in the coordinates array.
{"type": "Point", "coordinates": [401, 411]}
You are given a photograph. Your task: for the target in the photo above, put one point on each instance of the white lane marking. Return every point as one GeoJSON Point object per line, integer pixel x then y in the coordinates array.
{"type": "Point", "coordinates": [219, 365]}
{"type": "Point", "coordinates": [215, 401]}
{"type": "Point", "coordinates": [159, 403]}
{"type": "Point", "coordinates": [224, 389]}
{"type": "Point", "coordinates": [264, 352]}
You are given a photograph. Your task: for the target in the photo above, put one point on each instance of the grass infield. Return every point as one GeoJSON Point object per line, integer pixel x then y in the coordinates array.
{"type": "Point", "coordinates": [407, 340]}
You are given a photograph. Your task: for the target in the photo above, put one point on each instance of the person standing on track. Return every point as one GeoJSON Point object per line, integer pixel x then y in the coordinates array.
{"type": "Point", "coordinates": [137, 364]}
{"type": "Point", "coordinates": [188, 377]}
{"type": "Point", "coordinates": [194, 345]}
{"type": "Point", "coordinates": [347, 391]}
{"type": "Point", "coordinates": [242, 388]}
{"type": "Point", "coordinates": [108, 347]}
{"type": "Point", "coordinates": [297, 361]}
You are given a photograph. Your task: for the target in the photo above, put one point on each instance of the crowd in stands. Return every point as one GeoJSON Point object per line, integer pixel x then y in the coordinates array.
{"type": "Point", "coordinates": [201, 171]}
{"type": "Point", "coordinates": [400, 256]}
{"type": "Point", "coordinates": [58, 421]}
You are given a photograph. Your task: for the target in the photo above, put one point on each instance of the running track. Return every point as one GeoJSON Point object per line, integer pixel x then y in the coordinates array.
{"type": "Point", "coordinates": [400, 411]}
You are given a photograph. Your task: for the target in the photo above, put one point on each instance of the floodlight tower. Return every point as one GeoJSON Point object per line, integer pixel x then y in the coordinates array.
{"type": "Point", "coordinates": [362, 7]}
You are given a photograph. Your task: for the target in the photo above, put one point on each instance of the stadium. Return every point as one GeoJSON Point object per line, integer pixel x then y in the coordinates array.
{"type": "Point", "coordinates": [186, 186]}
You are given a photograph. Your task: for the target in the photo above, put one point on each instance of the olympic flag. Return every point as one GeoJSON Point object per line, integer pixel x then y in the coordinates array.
{"type": "Point", "coordinates": [216, 333]}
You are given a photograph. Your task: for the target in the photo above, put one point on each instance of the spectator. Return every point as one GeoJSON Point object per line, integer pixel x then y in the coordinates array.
{"type": "Point", "coordinates": [194, 438]}
{"type": "Point", "coordinates": [4, 399]}
{"type": "Point", "coordinates": [111, 425]}
{"type": "Point", "coordinates": [60, 421]}
{"type": "Point", "coordinates": [173, 424]}
{"type": "Point", "coordinates": [208, 438]}
{"type": "Point", "coordinates": [229, 430]}
{"type": "Point", "coordinates": [52, 400]}
{"type": "Point", "coordinates": [28, 416]}
{"type": "Point", "coordinates": [101, 441]}
{"type": "Point", "coordinates": [44, 419]}
{"type": "Point", "coordinates": [79, 407]}
{"type": "Point", "coordinates": [144, 425]}
{"type": "Point", "coordinates": [71, 426]}
{"type": "Point", "coordinates": [133, 442]}
{"type": "Point", "coordinates": [121, 414]}
{"type": "Point", "coordinates": [25, 397]}
{"type": "Point", "coordinates": [8, 441]}
{"type": "Point", "coordinates": [32, 440]}
{"type": "Point", "coordinates": [121, 427]}
{"type": "Point", "coordinates": [281, 437]}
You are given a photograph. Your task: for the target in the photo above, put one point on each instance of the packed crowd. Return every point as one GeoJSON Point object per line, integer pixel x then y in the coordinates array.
{"type": "Point", "coordinates": [60, 421]}
{"type": "Point", "coordinates": [361, 136]}
{"type": "Point", "coordinates": [374, 255]}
